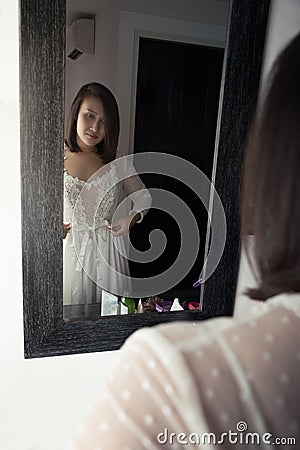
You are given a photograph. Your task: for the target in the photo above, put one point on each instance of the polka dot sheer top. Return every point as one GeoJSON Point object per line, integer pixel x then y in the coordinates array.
{"type": "Point", "coordinates": [222, 383]}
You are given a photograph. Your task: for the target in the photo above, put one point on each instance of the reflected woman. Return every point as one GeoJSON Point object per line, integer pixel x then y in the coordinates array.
{"type": "Point", "coordinates": [95, 182]}
{"type": "Point", "coordinates": [227, 381]}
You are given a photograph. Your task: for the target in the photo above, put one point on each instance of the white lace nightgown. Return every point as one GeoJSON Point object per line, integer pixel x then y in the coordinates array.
{"type": "Point", "coordinates": [94, 259]}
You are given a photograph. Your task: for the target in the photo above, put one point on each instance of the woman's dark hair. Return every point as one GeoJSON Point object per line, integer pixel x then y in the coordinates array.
{"type": "Point", "coordinates": [271, 185]}
{"type": "Point", "coordinates": [108, 147]}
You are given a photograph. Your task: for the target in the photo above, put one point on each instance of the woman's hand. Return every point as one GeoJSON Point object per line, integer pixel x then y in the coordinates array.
{"type": "Point", "coordinates": [66, 228]}
{"type": "Point", "coordinates": [122, 226]}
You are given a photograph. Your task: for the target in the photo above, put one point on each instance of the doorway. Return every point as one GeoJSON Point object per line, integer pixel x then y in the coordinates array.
{"type": "Point", "coordinates": [177, 98]}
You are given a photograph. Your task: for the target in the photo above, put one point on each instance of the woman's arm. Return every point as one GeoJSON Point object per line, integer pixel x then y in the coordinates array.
{"type": "Point", "coordinates": [142, 402]}
{"type": "Point", "coordinates": [141, 199]}
{"type": "Point", "coordinates": [66, 229]}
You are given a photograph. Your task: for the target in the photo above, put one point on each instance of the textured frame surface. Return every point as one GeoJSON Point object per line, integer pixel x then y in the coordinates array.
{"type": "Point", "coordinates": [42, 43]}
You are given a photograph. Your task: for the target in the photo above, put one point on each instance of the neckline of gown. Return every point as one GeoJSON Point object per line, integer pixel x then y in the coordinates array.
{"type": "Point", "coordinates": [92, 178]}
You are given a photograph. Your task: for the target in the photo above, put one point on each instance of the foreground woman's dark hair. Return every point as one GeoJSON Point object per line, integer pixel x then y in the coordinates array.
{"type": "Point", "coordinates": [271, 185]}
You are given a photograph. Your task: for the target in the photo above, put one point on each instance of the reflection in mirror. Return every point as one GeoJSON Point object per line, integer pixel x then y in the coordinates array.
{"type": "Point", "coordinates": [46, 332]}
{"type": "Point", "coordinates": [162, 62]}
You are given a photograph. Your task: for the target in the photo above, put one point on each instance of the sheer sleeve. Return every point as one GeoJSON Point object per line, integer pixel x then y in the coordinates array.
{"type": "Point", "coordinates": [139, 195]}
{"type": "Point", "coordinates": [135, 189]}
{"type": "Point", "coordinates": [180, 386]}
{"type": "Point", "coordinates": [143, 401]}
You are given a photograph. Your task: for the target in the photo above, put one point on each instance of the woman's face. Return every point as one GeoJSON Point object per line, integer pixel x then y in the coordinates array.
{"type": "Point", "coordinates": [90, 124]}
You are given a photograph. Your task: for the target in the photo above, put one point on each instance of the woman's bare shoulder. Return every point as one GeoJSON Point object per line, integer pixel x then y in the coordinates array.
{"type": "Point", "coordinates": [66, 149]}
{"type": "Point", "coordinates": [70, 164]}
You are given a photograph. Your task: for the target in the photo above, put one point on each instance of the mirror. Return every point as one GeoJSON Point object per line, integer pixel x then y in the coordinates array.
{"type": "Point", "coordinates": [42, 59]}
{"type": "Point", "coordinates": [164, 64]}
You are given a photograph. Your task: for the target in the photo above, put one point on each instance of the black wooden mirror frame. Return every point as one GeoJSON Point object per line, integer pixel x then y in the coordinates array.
{"type": "Point", "coordinates": [42, 43]}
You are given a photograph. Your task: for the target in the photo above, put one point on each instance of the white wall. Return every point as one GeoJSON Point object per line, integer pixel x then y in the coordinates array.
{"type": "Point", "coordinates": [42, 401]}
{"type": "Point", "coordinates": [116, 22]}
{"type": "Point", "coordinates": [103, 65]}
